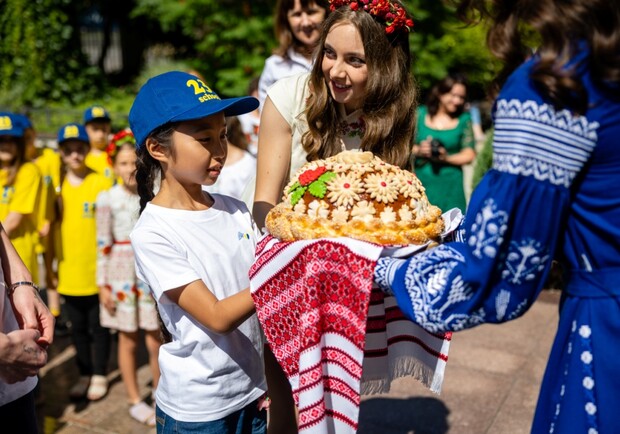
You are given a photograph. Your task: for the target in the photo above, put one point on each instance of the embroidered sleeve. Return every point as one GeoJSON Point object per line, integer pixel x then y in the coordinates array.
{"type": "Point", "coordinates": [493, 271]}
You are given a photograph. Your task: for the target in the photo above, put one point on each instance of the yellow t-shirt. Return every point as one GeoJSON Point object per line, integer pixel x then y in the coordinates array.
{"type": "Point", "coordinates": [23, 197]}
{"type": "Point", "coordinates": [77, 250]}
{"type": "Point", "coordinates": [100, 164]}
{"type": "Point", "coordinates": [49, 163]}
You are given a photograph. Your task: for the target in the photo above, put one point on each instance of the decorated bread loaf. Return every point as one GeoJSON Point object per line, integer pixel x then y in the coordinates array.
{"type": "Point", "coordinates": [355, 194]}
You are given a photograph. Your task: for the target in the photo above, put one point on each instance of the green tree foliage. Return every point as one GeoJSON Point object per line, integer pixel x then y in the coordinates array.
{"type": "Point", "coordinates": [42, 60]}
{"type": "Point", "coordinates": [229, 40]}
{"type": "Point", "coordinates": [441, 44]}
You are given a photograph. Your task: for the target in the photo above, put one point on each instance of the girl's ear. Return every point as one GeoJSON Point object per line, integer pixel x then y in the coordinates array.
{"type": "Point", "coordinates": [156, 150]}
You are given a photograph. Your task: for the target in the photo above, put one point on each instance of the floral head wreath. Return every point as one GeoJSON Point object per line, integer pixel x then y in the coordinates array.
{"type": "Point", "coordinates": [391, 14]}
{"type": "Point", "coordinates": [123, 137]}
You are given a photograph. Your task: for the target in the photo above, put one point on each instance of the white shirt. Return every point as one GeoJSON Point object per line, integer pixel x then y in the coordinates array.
{"type": "Point", "coordinates": [278, 67]}
{"type": "Point", "coordinates": [289, 97]}
{"type": "Point", "coordinates": [250, 125]}
{"type": "Point", "coordinates": [235, 177]}
{"type": "Point", "coordinates": [205, 376]}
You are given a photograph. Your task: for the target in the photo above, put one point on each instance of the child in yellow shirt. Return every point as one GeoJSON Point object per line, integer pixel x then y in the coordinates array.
{"type": "Point", "coordinates": [20, 194]}
{"type": "Point", "coordinates": [98, 125]}
{"type": "Point", "coordinates": [77, 262]}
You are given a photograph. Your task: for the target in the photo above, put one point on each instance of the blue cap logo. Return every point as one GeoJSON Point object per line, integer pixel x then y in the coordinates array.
{"type": "Point", "coordinates": [178, 96]}
{"type": "Point", "coordinates": [96, 113]}
{"type": "Point", "coordinates": [10, 125]}
{"type": "Point", "coordinates": [72, 132]}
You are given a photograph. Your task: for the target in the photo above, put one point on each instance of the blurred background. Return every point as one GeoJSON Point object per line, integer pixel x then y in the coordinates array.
{"type": "Point", "coordinates": [61, 56]}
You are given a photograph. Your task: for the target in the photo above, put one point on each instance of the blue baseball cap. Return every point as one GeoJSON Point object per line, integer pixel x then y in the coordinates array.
{"type": "Point", "coordinates": [72, 132]}
{"type": "Point", "coordinates": [178, 96]}
{"type": "Point", "coordinates": [96, 113]}
{"type": "Point", "coordinates": [11, 125]}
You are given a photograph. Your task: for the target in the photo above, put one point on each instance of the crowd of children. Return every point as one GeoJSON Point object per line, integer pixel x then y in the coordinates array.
{"type": "Point", "coordinates": [68, 211]}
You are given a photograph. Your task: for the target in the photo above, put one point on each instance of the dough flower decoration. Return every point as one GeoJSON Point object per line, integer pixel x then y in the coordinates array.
{"type": "Point", "coordinates": [381, 187]}
{"type": "Point", "coordinates": [345, 190]}
{"type": "Point", "coordinates": [313, 181]}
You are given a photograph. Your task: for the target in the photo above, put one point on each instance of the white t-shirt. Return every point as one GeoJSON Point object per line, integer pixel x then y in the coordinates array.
{"type": "Point", "coordinates": [205, 376]}
{"type": "Point", "coordinates": [8, 323]}
{"type": "Point", "coordinates": [235, 177]}
{"type": "Point", "coordinates": [250, 125]}
{"type": "Point", "coordinates": [278, 67]}
{"type": "Point", "coordinates": [289, 97]}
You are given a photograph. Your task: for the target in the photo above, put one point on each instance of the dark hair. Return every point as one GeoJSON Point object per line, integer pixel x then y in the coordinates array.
{"type": "Point", "coordinates": [18, 160]}
{"type": "Point", "coordinates": [148, 169]}
{"type": "Point", "coordinates": [563, 27]}
{"type": "Point", "coordinates": [283, 32]}
{"type": "Point", "coordinates": [441, 88]}
{"type": "Point", "coordinates": [235, 134]}
{"type": "Point", "coordinates": [390, 102]}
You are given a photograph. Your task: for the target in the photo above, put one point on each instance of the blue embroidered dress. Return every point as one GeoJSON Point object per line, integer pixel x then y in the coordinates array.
{"type": "Point", "coordinates": [554, 189]}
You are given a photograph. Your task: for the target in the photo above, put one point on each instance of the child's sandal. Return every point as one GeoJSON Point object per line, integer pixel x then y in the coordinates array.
{"type": "Point", "coordinates": [143, 413]}
{"type": "Point", "coordinates": [98, 388]}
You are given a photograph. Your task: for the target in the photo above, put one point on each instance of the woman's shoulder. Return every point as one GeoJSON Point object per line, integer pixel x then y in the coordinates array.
{"type": "Point", "coordinates": [291, 84]}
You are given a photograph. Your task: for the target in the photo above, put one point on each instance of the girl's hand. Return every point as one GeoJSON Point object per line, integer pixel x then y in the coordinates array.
{"type": "Point", "coordinates": [106, 299]}
{"type": "Point", "coordinates": [263, 402]}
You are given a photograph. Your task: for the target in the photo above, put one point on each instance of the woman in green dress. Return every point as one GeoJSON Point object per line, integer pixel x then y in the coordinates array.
{"type": "Point", "coordinates": [444, 143]}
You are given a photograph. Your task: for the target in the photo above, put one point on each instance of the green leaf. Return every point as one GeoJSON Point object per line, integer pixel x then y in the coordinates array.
{"type": "Point", "coordinates": [297, 194]}
{"type": "Point", "coordinates": [294, 186]}
{"type": "Point", "coordinates": [326, 177]}
{"type": "Point", "coordinates": [317, 189]}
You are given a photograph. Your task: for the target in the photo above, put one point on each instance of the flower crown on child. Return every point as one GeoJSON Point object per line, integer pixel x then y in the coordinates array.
{"type": "Point", "coordinates": [119, 139]}
{"type": "Point", "coordinates": [390, 14]}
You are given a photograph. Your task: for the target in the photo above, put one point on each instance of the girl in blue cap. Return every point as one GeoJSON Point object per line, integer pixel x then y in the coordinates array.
{"type": "Point", "coordinates": [194, 250]}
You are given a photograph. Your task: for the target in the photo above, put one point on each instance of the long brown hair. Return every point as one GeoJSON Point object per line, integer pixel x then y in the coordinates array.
{"type": "Point", "coordinates": [390, 101]}
{"type": "Point", "coordinates": [563, 27]}
{"type": "Point", "coordinates": [283, 32]}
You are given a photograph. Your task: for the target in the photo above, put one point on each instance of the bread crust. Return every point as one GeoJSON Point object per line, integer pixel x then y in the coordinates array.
{"type": "Point", "coordinates": [386, 205]}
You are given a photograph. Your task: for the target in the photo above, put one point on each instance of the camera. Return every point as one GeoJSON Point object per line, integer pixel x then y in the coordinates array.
{"type": "Point", "coordinates": [436, 147]}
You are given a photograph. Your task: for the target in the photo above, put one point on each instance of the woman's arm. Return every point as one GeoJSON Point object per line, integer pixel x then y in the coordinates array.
{"type": "Point", "coordinates": [30, 311]}
{"type": "Point", "coordinates": [220, 316]}
{"type": "Point", "coordinates": [274, 158]}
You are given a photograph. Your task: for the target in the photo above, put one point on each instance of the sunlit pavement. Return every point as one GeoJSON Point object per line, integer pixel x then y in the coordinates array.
{"type": "Point", "coordinates": [491, 386]}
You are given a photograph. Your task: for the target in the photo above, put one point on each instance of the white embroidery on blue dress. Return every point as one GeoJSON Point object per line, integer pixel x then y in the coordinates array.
{"type": "Point", "coordinates": [532, 139]}
{"type": "Point", "coordinates": [525, 260]}
{"type": "Point", "coordinates": [426, 279]}
{"type": "Point", "coordinates": [585, 333]}
{"type": "Point", "coordinates": [501, 303]}
{"type": "Point", "coordinates": [488, 230]}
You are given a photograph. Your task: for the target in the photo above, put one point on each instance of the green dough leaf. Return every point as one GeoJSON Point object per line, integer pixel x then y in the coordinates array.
{"type": "Point", "coordinates": [326, 177]}
{"type": "Point", "coordinates": [297, 194]}
{"type": "Point", "coordinates": [294, 186]}
{"type": "Point", "coordinates": [317, 189]}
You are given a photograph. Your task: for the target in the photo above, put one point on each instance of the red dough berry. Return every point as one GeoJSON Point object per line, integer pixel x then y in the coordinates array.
{"type": "Point", "coordinates": [310, 176]}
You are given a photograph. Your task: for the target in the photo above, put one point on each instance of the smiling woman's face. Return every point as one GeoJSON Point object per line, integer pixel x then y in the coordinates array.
{"type": "Point", "coordinates": [344, 66]}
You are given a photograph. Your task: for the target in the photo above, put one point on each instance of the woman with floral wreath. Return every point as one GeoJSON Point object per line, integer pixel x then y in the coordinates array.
{"type": "Point", "coordinates": [360, 94]}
